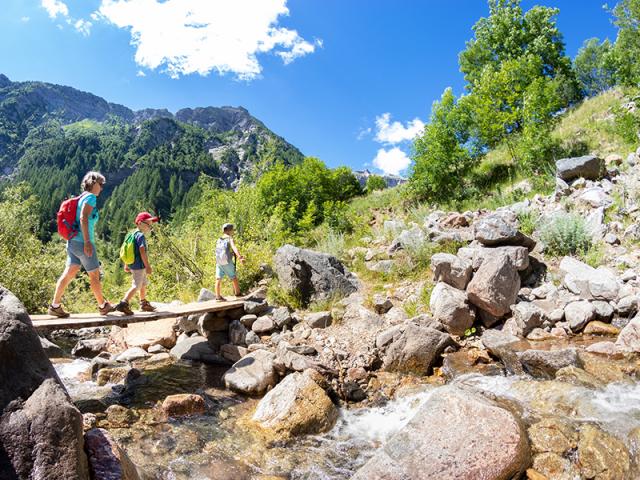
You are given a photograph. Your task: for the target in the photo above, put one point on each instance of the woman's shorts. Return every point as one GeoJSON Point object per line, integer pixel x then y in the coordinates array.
{"type": "Point", "coordinates": [228, 270]}
{"type": "Point", "coordinates": [76, 256]}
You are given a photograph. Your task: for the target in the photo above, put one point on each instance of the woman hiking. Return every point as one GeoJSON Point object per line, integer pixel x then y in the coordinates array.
{"type": "Point", "coordinates": [81, 249]}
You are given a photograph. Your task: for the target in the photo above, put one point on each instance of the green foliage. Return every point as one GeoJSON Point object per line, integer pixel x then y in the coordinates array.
{"type": "Point", "coordinates": [594, 66]}
{"type": "Point", "coordinates": [626, 50]}
{"type": "Point", "coordinates": [375, 182]}
{"type": "Point", "coordinates": [627, 125]}
{"type": "Point", "coordinates": [565, 234]}
{"type": "Point", "coordinates": [440, 159]}
{"type": "Point", "coordinates": [528, 221]}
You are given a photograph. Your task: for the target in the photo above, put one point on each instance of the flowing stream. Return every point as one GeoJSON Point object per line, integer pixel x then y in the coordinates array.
{"type": "Point", "coordinates": [221, 445]}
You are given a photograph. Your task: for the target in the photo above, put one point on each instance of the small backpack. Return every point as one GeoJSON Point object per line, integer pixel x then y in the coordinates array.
{"type": "Point", "coordinates": [128, 249]}
{"type": "Point", "coordinates": [223, 251]}
{"type": "Point", "coordinates": [68, 227]}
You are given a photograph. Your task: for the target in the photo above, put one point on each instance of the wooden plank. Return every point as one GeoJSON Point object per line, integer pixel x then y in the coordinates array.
{"type": "Point", "coordinates": [82, 320]}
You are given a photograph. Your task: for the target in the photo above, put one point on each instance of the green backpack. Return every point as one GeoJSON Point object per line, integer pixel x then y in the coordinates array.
{"type": "Point", "coordinates": [128, 249]}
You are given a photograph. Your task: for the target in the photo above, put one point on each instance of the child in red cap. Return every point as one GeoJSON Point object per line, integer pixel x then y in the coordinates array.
{"type": "Point", "coordinates": [140, 268]}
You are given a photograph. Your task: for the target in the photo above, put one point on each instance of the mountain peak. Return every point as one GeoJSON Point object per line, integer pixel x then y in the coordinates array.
{"type": "Point", "coordinates": [4, 81]}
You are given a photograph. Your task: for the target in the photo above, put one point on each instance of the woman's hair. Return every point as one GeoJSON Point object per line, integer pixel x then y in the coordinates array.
{"type": "Point", "coordinates": [90, 179]}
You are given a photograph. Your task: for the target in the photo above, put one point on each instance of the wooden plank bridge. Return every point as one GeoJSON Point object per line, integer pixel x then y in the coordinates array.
{"type": "Point", "coordinates": [48, 323]}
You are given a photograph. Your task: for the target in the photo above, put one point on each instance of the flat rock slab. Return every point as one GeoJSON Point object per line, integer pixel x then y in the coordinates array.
{"type": "Point", "coordinates": [589, 167]}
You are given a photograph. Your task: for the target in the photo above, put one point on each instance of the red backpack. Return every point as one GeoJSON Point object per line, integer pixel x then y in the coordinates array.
{"type": "Point", "coordinates": [67, 226]}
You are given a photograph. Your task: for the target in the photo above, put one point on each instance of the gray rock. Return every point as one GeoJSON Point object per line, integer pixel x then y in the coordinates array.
{"type": "Point", "coordinates": [629, 338]}
{"type": "Point", "coordinates": [562, 189]}
{"type": "Point", "coordinates": [588, 166]}
{"type": "Point", "coordinates": [263, 325]}
{"type": "Point", "coordinates": [450, 307]}
{"type": "Point", "coordinates": [627, 306]}
{"type": "Point", "coordinates": [254, 374]}
{"type": "Point", "coordinates": [233, 353]}
{"type": "Point", "coordinates": [210, 322]}
{"type": "Point", "coordinates": [416, 350]}
{"type": "Point", "coordinates": [51, 349]}
{"type": "Point", "coordinates": [578, 314]}
{"type": "Point", "coordinates": [206, 295]}
{"type": "Point", "coordinates": [498, 230]}
{"type": "Point", "coordinates": [132, 354]}
{"type": "Point", "coordinates": [381, 266]}
{"type": "Point", "coordinates": [604, 310]}
{"type": "Point", "coordinates": [588, 282]}
{"type": "Point", "coordinates": [89, 347]}
{"type": "Point", "coordinates": [107, 461]}
{"type": "Point", "coordinates": [518, 255]}
{"type": "Point", "coordinates": [281, 317]}
{"type": "Point", "coordinates": [456, 434]}
{"type": "Point", "coordinates": [494, 340]}
{"type": "Point", "coordinates": [381, 304]}
{"type": "Point", "coordinates": [289, 360]}
{"type": "Point", "coordinates": [386, 336]}
{"type": "Point", "coordinates": [255, 308]}
{"type": "Point", "coordinates": [237, 333]}
{"type": "Point", "coordinates": [526, 317]}
{"type": "Point", "coordinates": [632, 159]}
{"type": "Point", "coordinates": [452, 270]}
{"type": "Point", "coordinates": [247, 320]}
{"type": "Point", "coordinates": [408, 239]}
{"type": "Point", "coordinates": [314, 276]}
{"type": "Point", "coordinates": [487, 319]}
{"type": "Point", "coordinates": [318, 319]}
{"type": "Point", "coordinates": [545, 363]}
{"type": "Point", "coordinates": [494, 287]}
{"type": "Point", "coordinates": [612, 239]}
{"type": "Point", "coordinates": [252, 338]}
{"type": "Point", "coordinates": [188, 324]}
{"type": "Point", "coordinates": [40, 429]}
{"type": "Point", "coordinates": [197, 349]}
{"type": "Point", "coordinates": [156, 349]}
{"type": "Point", "coordinates": [396, 315]}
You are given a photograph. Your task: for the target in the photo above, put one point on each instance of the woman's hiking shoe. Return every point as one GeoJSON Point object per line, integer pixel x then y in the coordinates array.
{"type": "Point", "coordinates": [124, 307]}
{"type": "Point", "coordinates": [106, 308]}
{"type": "Point", "coordinates": [146, 306]}
{"type": "Point", "coordinates": [220, 299]}
{"type": "Point", "coordinates": [57, 311]}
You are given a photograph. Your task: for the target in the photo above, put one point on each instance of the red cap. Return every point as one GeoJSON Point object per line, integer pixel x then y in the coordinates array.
{"type": "Point", "coordinates": [145, 217]}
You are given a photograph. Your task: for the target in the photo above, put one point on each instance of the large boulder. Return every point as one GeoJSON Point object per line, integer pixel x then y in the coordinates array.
{"type": "Point", "coordinates": [450, 307]}
{"type": "Point", "coordinates": [146, 334]}
{"type": "Point", "coordinates": [89, 347]}
{"type": "Point", "coordinates": [182, 404]}
{"type": "Point", "coordinates": [296, 406]}
{"type": "Point", "coordinates": [452, 270]}
{"type": "Point", "coordinates": [416, 350]}
{"type": "Point", "coordinates": [253, 374]}
{"type": "Point", "coordinates": [494, 287]}
{"type": "Point", "coordinates": [477, 255]}
{"type": "Point", "coordinates": [588, 282]}
{"type": "Point", "coordinates": [40, 429]}
{"type": "Point", "coordinates": [629, 338]}
{"type": "Point", "coordinates": [601, 455]}
{"type": "Point", "coordinates": [588, 166]}
{"type": "Point", "coordinates": [455, 435]}
{"type": "Point", "coordinates": [500, 229]}
{"type": "Point", "coordinates": [526, 316]}
{"type": "Point", "coordinates": [107, 461]}
{"type": "Point", "coordinates": [312, 275]}
{"type": "Point", "coordinates": [545, 363]}
{"type": "Point", "coordinates": [578, 314]}
{"type": "Point", "coordinates": [197, 349]}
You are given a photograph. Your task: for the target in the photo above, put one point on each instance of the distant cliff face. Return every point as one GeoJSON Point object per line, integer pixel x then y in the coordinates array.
{"type": "Point", "coordinates": [392, 180]}
{"type": "Point", "coordinates": [235, 140]}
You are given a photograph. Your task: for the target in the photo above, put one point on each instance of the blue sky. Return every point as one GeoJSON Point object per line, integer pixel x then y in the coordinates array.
{"type": "Point", "coordinates": [320, 75]}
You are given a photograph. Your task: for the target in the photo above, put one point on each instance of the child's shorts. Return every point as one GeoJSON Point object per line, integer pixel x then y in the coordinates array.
{"type": "Point", "coordinates": [228, 270]}
{"type": "Point", "coordinates": [139, 278]}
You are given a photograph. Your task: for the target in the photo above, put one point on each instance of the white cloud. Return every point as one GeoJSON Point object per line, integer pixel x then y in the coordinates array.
{"type": "Point", "coordinates": [198, 36]}
{"type": "Point", "coordinates": [83, 26]}
{"type": "Point", "coordinates": [393, 133]}
{"type": "Point", "coordinates": [392, 161]}
{"type": "Point", "coordinates": [55, 8]}
{"type": "Point", "coordinates": [25, 19]}
{"type": "Point", "coordinates": [140, 73]}
{"type": "Point", "coordinates": [364, 132]}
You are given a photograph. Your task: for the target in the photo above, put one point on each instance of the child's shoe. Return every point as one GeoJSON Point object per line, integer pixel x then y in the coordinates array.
{"type": "Point", "coordinates": [124, 307]}
{"type": "Point", "coordinates": [145, 306]}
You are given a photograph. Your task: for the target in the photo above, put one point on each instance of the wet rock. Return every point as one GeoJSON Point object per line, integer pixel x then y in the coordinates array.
{"type": "Point", "coordinates": [315, 276]}
{"type": "Point", "coordinates": [494, 287]}
{"type": "Point", "coordinates": [254, 374]}
{"type": "Point", "coordinates": [145, 334]}
{"type": "Point", "coordinates": [112, 375]}
{"type": "Point", "coordinates": [120, 417]}
{"type": "Point", "coordinates": [588, 282]}
{"type": "Point", "coordinates": [600, 328]}
{"type": "Point", "coordinates": [382, 304]}
{"type": "Point", "coordinates": [296, 406]}
{"type": "Point", "coordinates": [629, 338]}
{"type": "Point", "coordinates": [553, 435]}
{"type": "Point", "coordinates": [263, 325]}
{"type": "Point", "coordinates": [132, 354]}
{"type": "Point", "coordinates": [107, 461]}
{"type": "Point", "coordinates": [601, 455]}
{"type": "Point", "coordinates": [416, 350]}
{"type": "Point", "coordinates": [550, 465]}
{"type": "Point", "coordinates": [237, 333]}
{"type": "Point", "coordinates": [197, 349]}
{"type": "Point", "coordinates": [451, 270]}
{"type": "Point", "coordinates": [577, 376]}
{"type": "Point", "coordinates": [545, 363]}
{"type": "Point", "coordinates": [437, 442]}
{"type": "Point", "coordinates": [450, 307]}
{"type": "Point", "coordinates": [604, 348]}
{"type": "Point", "coordinates": [589, 167]}
{"type": "Point", "coordinates": [89, 347]}
{"type": "Point", "coordinates": [281, 317]}
{"type": "Point", "coordinates": [183, 404]}
{"type": "Point", "coordinates": [318, 319]}
{"type": "Point", "coordinates": [578, 314]}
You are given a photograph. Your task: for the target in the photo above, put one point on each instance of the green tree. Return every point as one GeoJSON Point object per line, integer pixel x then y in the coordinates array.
{"type": "Point", "coordinates": [595, 67]}
{"type": "Point", "coordinates": [626, 50]}
{"type": "Point", "coordinates": [440, 156]}
{"type": "Point", "coordinates": [375, 182]}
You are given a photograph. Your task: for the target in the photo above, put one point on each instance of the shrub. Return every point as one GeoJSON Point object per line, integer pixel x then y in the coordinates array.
{"type": "Point", "coordinates": [565, 234]}
{"type": "Point", "coordinates": [375, 182]}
